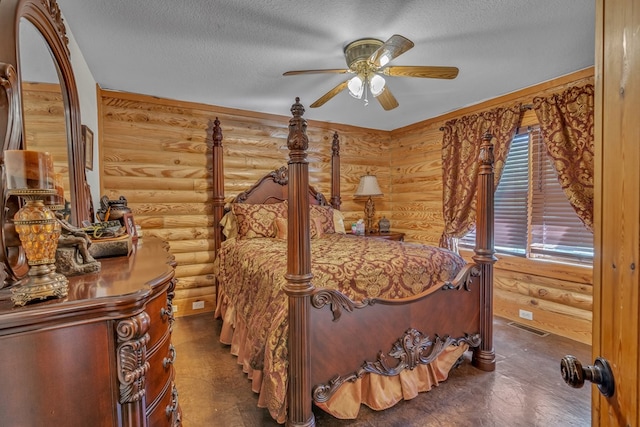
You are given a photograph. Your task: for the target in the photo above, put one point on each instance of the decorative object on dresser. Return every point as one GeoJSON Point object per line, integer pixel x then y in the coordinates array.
{"type": "Point", "coordinates": [112, 210]}
{"type": "Point", "coordinates": [101, 357]}
{"type": "Point", "coordinates": [368, 187]}
{"type": "Point", "coordinates": [130, 226]}
{"type": "Point", "coordinates": [29, 174]}
{"type": "Point", "coordinates": [73, 256]}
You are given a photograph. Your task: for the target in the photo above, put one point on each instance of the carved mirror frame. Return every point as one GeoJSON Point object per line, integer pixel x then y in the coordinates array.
{"type": "Point", "coordinates": [46, 18]}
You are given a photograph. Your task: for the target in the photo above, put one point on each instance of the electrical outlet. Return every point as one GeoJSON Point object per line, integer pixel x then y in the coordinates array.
{"type": "Point", "coordinates": [526, 314]}
{"type": "Point", "coordinates": [174, 308]}
{"type": "Point", "coordinates": [197, 305]}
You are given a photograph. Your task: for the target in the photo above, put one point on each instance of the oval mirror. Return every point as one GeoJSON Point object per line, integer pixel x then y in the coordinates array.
{"type": "Point", "coordinates": [44, 119]}
{"type": "Point", "coordinates": [39, 24]}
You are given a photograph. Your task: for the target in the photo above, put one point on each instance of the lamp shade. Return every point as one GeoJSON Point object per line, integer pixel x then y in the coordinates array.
{"type": "Point", "coordinates": [356, 86]}
{"type": "Point", "coordinates": [376, 84]}
{"type": "Point", "coordinates": [368, 186]}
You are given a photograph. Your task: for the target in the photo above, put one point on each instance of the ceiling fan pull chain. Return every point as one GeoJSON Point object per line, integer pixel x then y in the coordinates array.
{"type": "Point", "coordinates": [366, 92]}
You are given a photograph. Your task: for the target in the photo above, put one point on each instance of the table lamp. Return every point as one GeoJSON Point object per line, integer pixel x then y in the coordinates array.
{"type": "Point", "coordinates": [368, 187]}
{"type": "Point", "coordinates": [29, 175]}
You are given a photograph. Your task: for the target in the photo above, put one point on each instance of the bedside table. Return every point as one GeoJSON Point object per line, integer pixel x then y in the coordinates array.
{"type": "Point", "coordinates": [392, 235]}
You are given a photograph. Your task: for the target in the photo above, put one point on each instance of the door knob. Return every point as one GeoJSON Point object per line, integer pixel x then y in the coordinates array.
{"type": "Point", "coordinates": [574, 374]}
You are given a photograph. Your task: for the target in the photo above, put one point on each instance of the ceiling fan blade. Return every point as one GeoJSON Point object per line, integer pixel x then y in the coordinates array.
{"type": "Point", "coordinates": [387, 100]}
{"type": "Point", "coordinates": [327, 96]}
{"type": "Point", "coordinates": [432, 72]}
{"type": "Point", "coordinates": [330, 70]}
{"type": "Point", "coordinates": [392, 48]}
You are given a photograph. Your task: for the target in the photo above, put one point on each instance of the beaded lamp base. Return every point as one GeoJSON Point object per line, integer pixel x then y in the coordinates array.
{"type": "Point", "coordinates": [39, 232]}
{"type": "Point", "coordinates": [42, 282]}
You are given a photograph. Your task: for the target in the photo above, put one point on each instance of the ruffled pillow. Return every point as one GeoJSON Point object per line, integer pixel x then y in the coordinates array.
{"type": "Point", "coordinates": [229, 225]}
{"type": "Point", "coordinates": [338, 221]}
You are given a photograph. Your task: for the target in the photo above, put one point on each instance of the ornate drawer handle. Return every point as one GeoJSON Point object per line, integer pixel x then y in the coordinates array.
{"type": "Point", "coordinates": [172, 357]}
{"type": "Point", "coordinates": [166, 313]}
{"type": "Point", "coordinates": [172, 410]}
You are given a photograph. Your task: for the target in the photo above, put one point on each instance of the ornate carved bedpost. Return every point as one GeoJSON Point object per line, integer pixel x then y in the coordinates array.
{"type": "Point", "coordinates": [484, 357]}
{"type": "Point", "coordinates": [335, 172]}
{"type": "Point", "coordinates": [218, 183]}
{"type": "Point", "coordinates": [299, 275]}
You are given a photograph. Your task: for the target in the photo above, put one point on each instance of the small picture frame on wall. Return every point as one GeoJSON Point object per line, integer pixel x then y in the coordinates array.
{"type": "Point", "coordinates": [130, 226]}
{"type": "Point", "coordinates": [87, 139]}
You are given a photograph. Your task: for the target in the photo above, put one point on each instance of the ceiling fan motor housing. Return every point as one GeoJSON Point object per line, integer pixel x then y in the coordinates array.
{"type": "Point", "coordinates": [360, 50]}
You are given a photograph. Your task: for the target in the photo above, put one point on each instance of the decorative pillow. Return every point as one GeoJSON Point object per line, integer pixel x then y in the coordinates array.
{"type": "Point", "coordinates": [281, 228]}
{"type": "Point", "coordinates": [325, 214]}
{"type": "Point", "coordinates": [338, 221]}
{"type": "Point", "coordinates": [257, 220]}
{"type": "Point", "coordinates": [229, 225]}
{"type": "Point", "coordinates": [281, 224]}
{"type": "Point", "coordinates": [316, 228]}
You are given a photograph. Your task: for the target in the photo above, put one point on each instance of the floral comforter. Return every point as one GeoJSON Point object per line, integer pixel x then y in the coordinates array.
{"type": "Point", "coordinates": [251, 273]}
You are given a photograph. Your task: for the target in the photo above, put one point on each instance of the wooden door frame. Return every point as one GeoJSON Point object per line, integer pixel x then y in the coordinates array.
{"type": "Point", "coordinates": [617, 209]}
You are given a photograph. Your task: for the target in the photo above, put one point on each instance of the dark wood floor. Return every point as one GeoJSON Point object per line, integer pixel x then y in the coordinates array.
{"type": "Point", "coordinates": [526, 388]}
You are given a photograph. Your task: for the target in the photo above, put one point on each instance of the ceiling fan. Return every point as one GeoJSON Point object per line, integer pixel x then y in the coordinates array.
{"type": "Point", "coordinates": [368, 59]}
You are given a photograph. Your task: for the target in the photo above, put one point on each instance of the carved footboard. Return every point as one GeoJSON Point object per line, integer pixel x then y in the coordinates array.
{"type": "Point", "coordinates": [385, 337]}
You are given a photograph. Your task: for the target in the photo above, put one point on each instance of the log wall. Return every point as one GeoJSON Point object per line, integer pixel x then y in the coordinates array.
{"type": "Point", "coordinates": [155, 152]}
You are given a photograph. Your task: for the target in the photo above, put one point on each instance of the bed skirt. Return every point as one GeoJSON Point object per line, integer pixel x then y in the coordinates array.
{"type": "Point", "coordinates": [378, 392]}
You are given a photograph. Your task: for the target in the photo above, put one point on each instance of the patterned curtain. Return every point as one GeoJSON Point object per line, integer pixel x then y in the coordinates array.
{"type": "Point", "coordinates": [566, 123]}
{"type": "Point", "coordinates": [460, 151]}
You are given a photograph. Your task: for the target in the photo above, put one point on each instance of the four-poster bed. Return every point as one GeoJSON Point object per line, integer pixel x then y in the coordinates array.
{"type": "Point", "coordinates": [326, 343]}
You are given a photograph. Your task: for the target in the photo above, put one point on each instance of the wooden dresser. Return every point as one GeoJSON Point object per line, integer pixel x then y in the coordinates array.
{"type": "Point", "coordinates": [100, 357]}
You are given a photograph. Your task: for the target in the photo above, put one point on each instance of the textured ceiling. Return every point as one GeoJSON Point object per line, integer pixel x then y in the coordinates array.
{"type": "Point", "coordinates": [232, 53]}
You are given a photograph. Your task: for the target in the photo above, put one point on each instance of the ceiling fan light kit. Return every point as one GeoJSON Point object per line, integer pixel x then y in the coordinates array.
{"type": "Point", "coordinates": [368, 59]}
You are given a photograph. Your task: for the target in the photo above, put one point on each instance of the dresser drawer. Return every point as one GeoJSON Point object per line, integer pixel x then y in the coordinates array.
{"type": "Point", "coordinates": [160, 371]}
{"type": "Point", "coordinates": [158, 311]}
{"type": "Point", "coordinates": [167, 412]}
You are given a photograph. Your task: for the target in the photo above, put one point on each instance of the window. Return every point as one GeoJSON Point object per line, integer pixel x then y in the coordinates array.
{"type": "Point", "coordinates": [533, 217]}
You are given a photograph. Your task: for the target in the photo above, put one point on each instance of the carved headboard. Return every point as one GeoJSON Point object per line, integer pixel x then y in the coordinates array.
{"type": "Point", "coordinates": [273, 188]}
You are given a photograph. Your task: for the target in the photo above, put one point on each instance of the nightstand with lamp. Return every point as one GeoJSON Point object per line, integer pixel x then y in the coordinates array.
{"type": "Point", "coordinates": [368, 187]}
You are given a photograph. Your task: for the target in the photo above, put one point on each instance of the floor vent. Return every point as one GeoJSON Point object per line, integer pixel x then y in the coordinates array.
{"type": "Point", "coordinates": [538, 332]}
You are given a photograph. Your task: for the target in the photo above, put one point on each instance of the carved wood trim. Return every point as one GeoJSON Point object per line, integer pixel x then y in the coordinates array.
{"type": "Point", "coordinates": [464, 278]}
{"type": "Point", "coordinates": [484, 357]}
{"type": "Point", "coordinates": [409, 351]}
{"type": "Point", "coordinates": [335, 172]}
{"type": "Point", "coordinates": [299, 286]}
{"type": "Point", "coordinates": [279, 176]}
{"type": "Point", "coordinates": [58, 23]}
{"type": "Point", "coordinates": [10, 101]}
{"type": "Point", "coordinates": [338, 302]}
{"type": "Point", "coordinates": [131, 356]}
